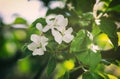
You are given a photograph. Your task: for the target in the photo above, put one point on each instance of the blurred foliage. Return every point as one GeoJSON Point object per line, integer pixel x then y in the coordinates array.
{"type": "Point", "coordinates": [72, 61]}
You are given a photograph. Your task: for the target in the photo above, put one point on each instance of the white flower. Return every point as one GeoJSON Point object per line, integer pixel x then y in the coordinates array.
{"type": "Point", "coordinates": [94, 48]}
{"type": "Point", "coordinates": [63, 35]}
{"type": "Point", "coordinates": [89, 35]}
{"type": "Point", "coordinates": [58, 22]}
{"type": "Point", "coordinates": [97, 21]}
{"type": "Point", "coordinates": [118, 24]}
{"type": "Point", "coordinates": [39, 27]}
{"type": "Point", "coordinates": [58, 27]}
{"type": "Point", "coordinates": [38, 45]}
{"type": "Point", "coordinates": [97, 6]}
{"type": "Point", "coordinates": [70, 7]}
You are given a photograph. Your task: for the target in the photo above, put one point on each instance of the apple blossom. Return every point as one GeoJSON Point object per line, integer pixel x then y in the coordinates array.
{"type": "Point", "coordinates": [39, 27]}
{"type": "Point", "coordinates": [93, 47]}
{"type": "Point", "coordinates": [55, 23]}
{"type": "Point", "coordinates": [63, 35]}
{"type": "Point", "coordinates": [38, 45]}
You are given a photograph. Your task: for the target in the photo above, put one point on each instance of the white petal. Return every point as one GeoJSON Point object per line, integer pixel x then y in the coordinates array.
{"type": "Point", "coordinates": [60, 28]}
{"type": "Point", "coordinates": [49, 21]}
{"type": "Point", "coordinates": [32, 46]}
{"type": "Point", "coordinates": [44, 46]}
{"type": "Point", "coordinates": [44, 40]}
{"type": "Point", "coordinates": [64, 22]}
{"type": "Point", "coordinates": [59, 17]}
{"type": "Point", "coordinates": [38, 52]}
{"type": "Point", "coordinates": [35, 38]}
{"type": "Point", "coordinates": [90, 35]}
{"type": "Point", "coordinates": [97, 21]}
{"type": "Point", "coordinates": [61, 21]}
{"type": "Point", "coordinates": [68, 38]}
{"type": "Point", "coordinates": [46, 28]}
{"type": "Point", "coordinates": [57, 36]}
{"type": "Point", "coordinates": [93, 47]}
{"type": "Point", "coordinates": [39, 26]}
{"type": "Point", "coordinates": [69, 31]}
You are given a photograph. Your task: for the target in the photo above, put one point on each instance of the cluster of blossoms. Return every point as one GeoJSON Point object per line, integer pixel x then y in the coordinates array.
{"type": "Point", "coordinates": [97, 6]}
{"type": "Point", "coordinates": [58, 29]}
{"type": "Point", "coordinates": [94, 48]}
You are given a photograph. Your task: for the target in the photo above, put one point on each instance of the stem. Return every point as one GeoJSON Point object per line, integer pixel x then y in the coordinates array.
{"type": "Point", "coordinates": [76, 68]}
{"type": "Point", "coordinates": [41, 68]}
{"type": "Point", "coordinates": [95, 10]}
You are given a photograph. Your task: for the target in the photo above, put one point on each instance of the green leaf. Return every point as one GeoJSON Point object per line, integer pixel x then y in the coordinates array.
{"type": "Point", "coordinates": [39, 20]}
{"type": "Point", "coordinates": [114, 3]}
{"type": "Point", "coordinates": [91, 75]}
{"type": "Point", "coordinates": [51, 65]}
{"type": "Point", "coordinates": [84, 23]}
{"type": "Point", "coordinates": [80, 42]}
{"type": "Point", "coordinates": [56, 11]}
{"type": "Point", "coordinates": [65, 76]}
{"type": "Point", "coordinates": [115, 8]}
{"type": "Point", "coordinates": [89, 58]}
{"type": "Point", "coordinates": [87, 16]}
{"type": "Point", "coordinates": [20, 20]}
{"type": "Point", "coordinates": [85, 19]}
{"type": "Point", "coordinates": [109, 27]}
{"type": "Point", "coordinates": [25, 52]}
{"type": "Point", "coordinates": [81, 5]}
{"type": "Point", "coordinates": [95, 30]}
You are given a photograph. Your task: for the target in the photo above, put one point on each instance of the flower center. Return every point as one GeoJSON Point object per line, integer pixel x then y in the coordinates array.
{"type": "Point", "coordinates": [39, 46]}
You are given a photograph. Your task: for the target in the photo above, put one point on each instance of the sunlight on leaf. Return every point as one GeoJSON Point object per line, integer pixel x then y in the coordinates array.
{"type": "Point", "coordinates": [20, 34]}
{"type": "Point", "coordinates": [11, 48]}
{"type": "Point", "coordinates": [69, 64]}
{"type": "Point", "coordinates": [112, 76]}
{"type": "Point", "coordinates": [107, 23]}
{"type": "Point", "coordinates": [104, 42]}
{"type": "Point", "coordinates": [20, 20]}
{"type": "Point", "coordinates": [24, 65]}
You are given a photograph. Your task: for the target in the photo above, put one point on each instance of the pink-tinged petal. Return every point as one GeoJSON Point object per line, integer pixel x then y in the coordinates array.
{"type": "Point", "coordinates": [38, 52]}
{"type": "Point", "coordinates": [44, 46]}
{"type": "Point", "coordinates": [57, 36]}
{"type": "Point", "coordinates": [68, 38]}
{"type": "Point", "coordinates": [46, 28]}
{"type": "Point", "coordinates": [44, 39]}
{"type": "Point", "coordinates": [60, 28]}
{"type": "Point", "coordinates": [94, 48]}
{"type": "Point", "coordinates": [44, 42]}
{"type": "Point", "coordinates": [49, 21]}
{"type": "Point", "coordinates": [35, 38]}
{"type": "Point", "coordinates": [32, 46]}
{"type": "Point", "coordinates": [69, 31]}
{"type": "Point", "coordinates": [39, 26]}
{"type": "Point", "coordinates": [64, 22]}
{"type": "Point", "coordinates": [59, 17]}
{"type": "Point", "coordinates": [61, 21]}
